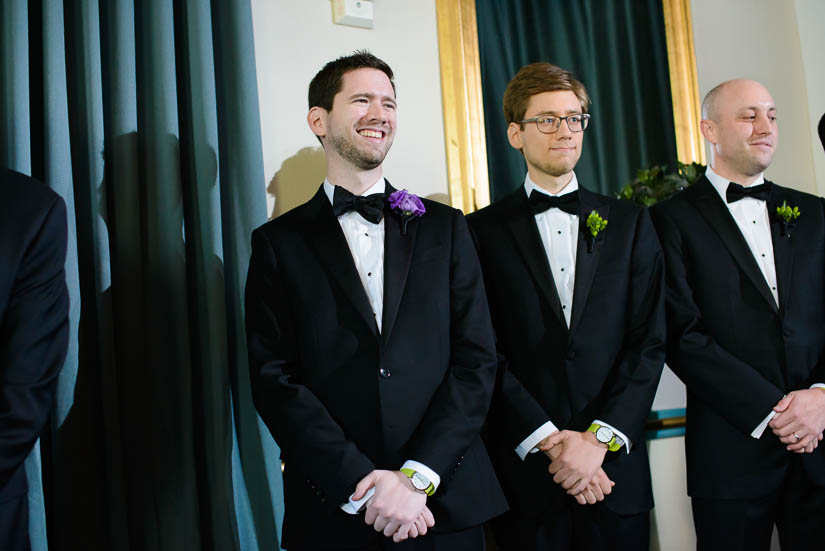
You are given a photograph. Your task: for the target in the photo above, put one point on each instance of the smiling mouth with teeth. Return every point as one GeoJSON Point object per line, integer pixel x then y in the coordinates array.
{"type": "Point", "coordinates": [371, 134]}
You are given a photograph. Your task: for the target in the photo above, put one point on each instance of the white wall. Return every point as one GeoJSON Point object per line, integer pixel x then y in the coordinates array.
{"type": "Point", "coordinates": [760, 39]}
{"type": "Point", "coordinates": [671, 521]}
{"type": "Point", "coordinates": [810, 17]}
{"type": "Point", "coordinates": [294, 39]}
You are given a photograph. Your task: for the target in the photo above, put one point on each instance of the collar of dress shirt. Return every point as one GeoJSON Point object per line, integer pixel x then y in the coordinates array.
{"type": "Point", "coordinates": [720, 184]}
{"type": "Point", "coordinates": [377, 187]}
{"type": "Point", "coordinates": [572, 185]}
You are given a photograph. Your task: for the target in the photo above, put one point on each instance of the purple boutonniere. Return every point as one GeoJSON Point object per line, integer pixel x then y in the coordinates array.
{"type": "Point", "coordinates": [407, 205]}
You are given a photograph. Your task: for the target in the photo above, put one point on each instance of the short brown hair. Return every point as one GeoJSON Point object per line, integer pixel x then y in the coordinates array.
{"type": "Point", "coordinates": [537, 78]}
{"type": "Point", "coordinates": [329, 80]}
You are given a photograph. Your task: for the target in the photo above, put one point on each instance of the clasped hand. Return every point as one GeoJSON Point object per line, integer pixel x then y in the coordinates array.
{"type": "Point", "coordinates": [800, 420]}
{"type": "Point", "coordinates": [576, 459]}
{"type": "Point", "coordinates": [396, 508]}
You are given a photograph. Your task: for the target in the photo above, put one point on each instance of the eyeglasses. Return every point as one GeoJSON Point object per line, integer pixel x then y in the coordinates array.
{"type": "Point", "coordinates": [548, 125]}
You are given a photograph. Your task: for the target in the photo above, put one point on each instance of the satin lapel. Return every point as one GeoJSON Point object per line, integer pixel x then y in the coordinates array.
{"type": "Point", "coordinates": [398, 251]}
{"type": "Point", "coordinates": [716, 213]}
{"type": "Point", "coordinates": [325, 236]}
{"type": "Point", "coordinates": [782, 253]}
{"type": "Point", "coordinates": [522, 224]}
{"type": "Point", "coordinates": [586, 262]}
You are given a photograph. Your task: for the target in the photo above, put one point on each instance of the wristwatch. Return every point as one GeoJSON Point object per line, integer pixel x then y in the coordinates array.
{"type": "Point", "coordinates": [605, 436]}
{"type": "Point", "coordinates": [419, 481]}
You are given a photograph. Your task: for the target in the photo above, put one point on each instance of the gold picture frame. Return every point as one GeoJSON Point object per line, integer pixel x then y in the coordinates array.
{"type": "Point", "coordinates": [461, 95]}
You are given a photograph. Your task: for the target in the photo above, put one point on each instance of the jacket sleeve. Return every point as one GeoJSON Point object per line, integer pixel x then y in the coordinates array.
{"type": "Point", "coordinates": [639, 366]}
{"type": "Point", "coordinates": [733, 388]}
{"type": "Point", "coordinates": [34, 336]}
{"type": "Point", "coordinates": [297, 419]}
{"type": "Point", "coordinates": [516, 411]}
{"type": "Point", "coordinates": [459, 406]}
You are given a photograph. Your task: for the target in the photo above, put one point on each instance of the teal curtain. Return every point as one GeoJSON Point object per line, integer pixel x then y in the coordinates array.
{"type": "Point", "coordinates": [143, 115]}
{"type": "Point", "coordinates": [616, 48]}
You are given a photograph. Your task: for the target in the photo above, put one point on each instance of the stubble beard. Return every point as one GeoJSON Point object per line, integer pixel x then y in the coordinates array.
{"type": "Point", "coordinates": [556, 169]}
{"type": "Point", "coordinates": [361, 159]}
{"type": "Point", "coordinates": [752, 165]}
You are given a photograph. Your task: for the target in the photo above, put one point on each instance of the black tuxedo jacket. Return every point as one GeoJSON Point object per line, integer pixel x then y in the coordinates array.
{"type": "Point", "coordinates": [737, 352]}
{"type": "Point", "coordinates": [342, 399]}
{"type": "Point", "coordinates": [34, 332]}
{"type": "Point", "coordinates": [605, 366]}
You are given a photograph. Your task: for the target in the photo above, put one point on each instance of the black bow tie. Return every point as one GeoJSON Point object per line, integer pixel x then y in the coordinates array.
{"type": "Point", "coordinates": [371, 207]}
{"type": "Point", "coordinates": [540, 202]}
{"type": "Point", "coordinates": [736, 192]}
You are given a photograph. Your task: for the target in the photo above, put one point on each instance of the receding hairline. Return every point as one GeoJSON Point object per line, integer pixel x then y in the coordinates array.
{"type": "Point", "coordinates": [711, 99]}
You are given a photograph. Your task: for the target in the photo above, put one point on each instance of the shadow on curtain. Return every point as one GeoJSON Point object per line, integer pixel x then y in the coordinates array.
{"type": "Point", "coordinates": [616, 48]}
{"type": "Point", "coordinates": [144, 117]}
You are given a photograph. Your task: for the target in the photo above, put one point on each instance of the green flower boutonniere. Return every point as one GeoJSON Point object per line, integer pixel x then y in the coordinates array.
{"type": "Point", "coordinates": [788, 216]}
{"type": "Point", "coordinates": [595, 226]}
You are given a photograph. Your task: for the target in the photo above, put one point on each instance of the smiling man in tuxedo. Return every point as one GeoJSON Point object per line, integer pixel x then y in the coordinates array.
{"type": "Point", "coordinates": [575, 284]}
{"type": "Point", "coordinates": [746, 333]}
{"type": "Point", "coordinates": [34, 334]}
{"type": "Point", "coordinates": [371, 349]}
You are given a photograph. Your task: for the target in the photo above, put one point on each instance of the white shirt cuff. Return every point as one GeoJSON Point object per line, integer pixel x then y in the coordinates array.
{"type": "Point", "coordinates": [757, 432]}
{"type": "Point", "coordinates": [352, 507]}
{"type": "Point", "coordinates": [431, 475]}
{"type": "Point", "coordinates": [625, 440]}
{"type": "Point", "coordinates": [818, 385]}
{"type": "Point", "coordinates": [528, 445]}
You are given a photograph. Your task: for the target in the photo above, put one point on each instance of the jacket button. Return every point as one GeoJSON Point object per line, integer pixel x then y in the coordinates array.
{"type": "Point", "coordinates": [385, 373]}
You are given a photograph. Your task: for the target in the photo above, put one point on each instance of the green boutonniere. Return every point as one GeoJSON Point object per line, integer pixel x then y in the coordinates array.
{"type": "Point", "coordinates": [595, 225]}
{"type": "Point", "coordinates": [788, 216]}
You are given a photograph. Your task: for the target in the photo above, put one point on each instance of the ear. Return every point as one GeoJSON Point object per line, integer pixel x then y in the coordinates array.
{"type": "Point", "coordinates": [514, 135]}
{"type": "Point", "coordinates": [708, 129]}
{"type": "Point", "coordinates": [317, 121]}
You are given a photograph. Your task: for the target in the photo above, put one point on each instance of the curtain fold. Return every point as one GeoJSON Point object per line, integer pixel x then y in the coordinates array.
{"type": "Point", "coordinates": [144, 116]}
{"type": "Point", "coordinates": [617, 48]}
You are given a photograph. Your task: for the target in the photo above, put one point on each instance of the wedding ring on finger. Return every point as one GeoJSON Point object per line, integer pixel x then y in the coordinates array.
{"type": "Point", "coordinates": [797, 437]}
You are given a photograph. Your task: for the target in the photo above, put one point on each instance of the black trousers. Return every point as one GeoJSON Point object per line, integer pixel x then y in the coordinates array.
{"type": "Point", "coordinates": [573, 528]}
{"type": "Point", "coordinates": [797, 509]}
{"type": "Point", "coordinates": [471, 539]}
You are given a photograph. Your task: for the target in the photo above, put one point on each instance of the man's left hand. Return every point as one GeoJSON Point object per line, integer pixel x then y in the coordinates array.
{"type": "Point", "coordinates": [580, 459]}
{"type": "Point", "coordinates": [395, 502]}
{"type": "Point", "coordinates": [800, 419]}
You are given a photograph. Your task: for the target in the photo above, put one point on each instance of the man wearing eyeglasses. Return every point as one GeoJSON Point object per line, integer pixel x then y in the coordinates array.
{"type": "Point", "coordinates": [575, 285]}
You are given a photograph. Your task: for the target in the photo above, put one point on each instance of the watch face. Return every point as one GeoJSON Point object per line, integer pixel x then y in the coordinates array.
{"type": "Point", "coordinates": [604, 435]}
{"type": "Point", "coordinates": [419, 481]}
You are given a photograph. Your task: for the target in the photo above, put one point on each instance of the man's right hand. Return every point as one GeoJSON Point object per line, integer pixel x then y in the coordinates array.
{"type": "Point", "coordinates": [416, 528]}
{"type": "Point", "coordinates": [394, 505]}
{"type": "Point", "coordinates": [600, 485]}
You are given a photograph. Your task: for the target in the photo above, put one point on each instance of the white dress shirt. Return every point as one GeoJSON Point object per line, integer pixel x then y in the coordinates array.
{"type": "Point", "coordinates": [751, 216]}
{"type": "Point", "coordinates": [559, 233]}
{"type": "Point", "coordinates": [366, 244]}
